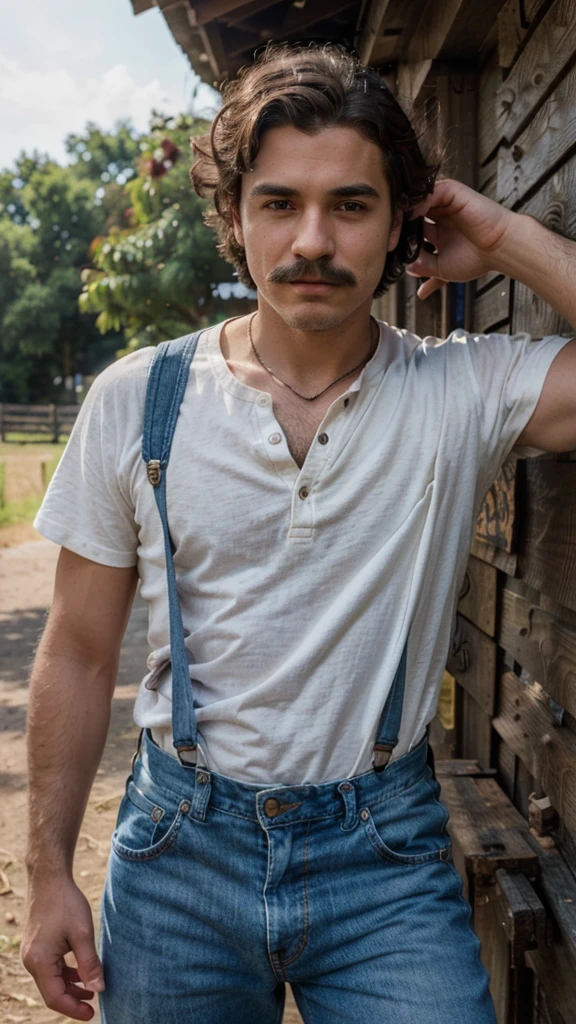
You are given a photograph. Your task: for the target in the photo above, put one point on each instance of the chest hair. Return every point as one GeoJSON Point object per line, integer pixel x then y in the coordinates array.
{"type": "Point", "coordinates": [300, 419]}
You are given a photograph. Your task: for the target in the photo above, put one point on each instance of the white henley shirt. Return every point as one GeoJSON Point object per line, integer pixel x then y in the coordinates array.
{"type": "Point", "coordinates": [296, 608]}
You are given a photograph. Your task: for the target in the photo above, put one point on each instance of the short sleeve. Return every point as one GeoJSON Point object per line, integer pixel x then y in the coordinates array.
{"type": "Point", "coordinates": [509, 371]}
{"type": "Point", "coordinates": [87, 507]}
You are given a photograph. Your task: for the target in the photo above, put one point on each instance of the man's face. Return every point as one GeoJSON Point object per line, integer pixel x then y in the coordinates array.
{"type": "Point", "coordinates": [316, 224]}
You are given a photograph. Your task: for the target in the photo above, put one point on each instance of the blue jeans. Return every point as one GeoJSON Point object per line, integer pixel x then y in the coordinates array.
{"type": "Point", "coordinates": [218, 892]}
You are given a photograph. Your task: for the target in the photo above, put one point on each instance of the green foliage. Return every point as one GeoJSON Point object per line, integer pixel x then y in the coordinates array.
{"type": "Point", "coordinates": [157, 278]}
{"type": "Point", "coordinates": [101, 256]}
{"type": "Point", "coordinates": [48, 218]}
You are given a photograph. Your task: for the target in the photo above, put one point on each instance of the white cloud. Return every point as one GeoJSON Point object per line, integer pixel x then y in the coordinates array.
{"type": "Point", "coordinates": [38, 108]}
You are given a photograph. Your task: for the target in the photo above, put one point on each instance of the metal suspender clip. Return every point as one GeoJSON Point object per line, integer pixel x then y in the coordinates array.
{"type": "Point", "coordinates": [382, 754]}
{"type": "Point", "coordinates": [154, 471]}
{"type": "Point", "coordinates": [185, 761]}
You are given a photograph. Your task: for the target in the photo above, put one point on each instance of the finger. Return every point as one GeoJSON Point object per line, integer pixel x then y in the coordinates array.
{"type": "Point", "coordinates": [429, 287]}
{"type": "Point", "coordinates": [89, 965]}
{"type": "Point", "coordinates": [431, 233]}
{"type": "Point", "coordinates": [425, 266]}
{"type": "Point", "coordinates": [79, 993]}
{"type": "Point", "coordinates": [54, 990]}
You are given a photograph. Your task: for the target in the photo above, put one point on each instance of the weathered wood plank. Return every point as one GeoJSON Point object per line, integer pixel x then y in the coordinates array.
{"type": "Point", "coordinates": [486, 280]}
{"type": "Point", "coordinates": [491, 308]}
{"type": "Point", "coordinates": [506, 768]}
{"type": "Point", "coordinates": [497, 520]}
{"type": "Point", "coordinates": [515, 20]}
{"type": "Point", "coordinates": [555, 207]}
{"type": "Point", "coordinates": [557, 885]}
{"type": "Point", "coordinates": [486, 829]}
{"type": "Point", "coordinates": [489, 84]}
{"type": "Point", "coordinates": [527, 724]}
{"type": "Point", "coordinates": [478, 595]}
{"type": "Point", "coordinates": [474, 665]}
{"type": "Point", "coordinates": [494, 556]}
{"type": "Point", "coordinates": [541, 644]}
{"type": "Point", "coordinates": [548, 139]}
{"type": "Point", "coordinates": [538, 69]}
{"type": "Point", "coordinates": [488, 178]}
{"type": "Point", "coordinates": [494, 945]}
{"type": "Point", "coordinates": [523, 915]}
{"type": "Point", "coordinates": [547, 548]}
{"type": "Point", "coordinates": [469, 29]}
{"type": "Point", "coordinates": [463, 766]}
{"type": "Point", "coordinates": [370, 29]}
{"type": "Point", "coordinates": [474, 733]}
{"type": "Point", "coordinates": [555, 973]}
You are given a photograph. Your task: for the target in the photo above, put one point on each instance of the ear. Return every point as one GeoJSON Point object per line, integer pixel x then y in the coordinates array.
{"type": "Point", "coordinates": [395, 230]}
{"type": "Point", "coordinates": [237, 226]}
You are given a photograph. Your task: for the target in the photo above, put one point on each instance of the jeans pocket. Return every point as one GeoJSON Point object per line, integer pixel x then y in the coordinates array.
{"type": "Point", "coordinates": [147, 828]}
{"type": "Point", "coordinates": [410, 827]}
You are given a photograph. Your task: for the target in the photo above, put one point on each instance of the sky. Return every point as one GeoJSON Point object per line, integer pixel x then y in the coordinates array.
{"type": "Point", "coordinates": [67, 62]}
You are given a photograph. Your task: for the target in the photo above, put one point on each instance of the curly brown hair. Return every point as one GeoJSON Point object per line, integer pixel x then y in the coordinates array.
{"type": "Point", "coordinates": [310, 87]}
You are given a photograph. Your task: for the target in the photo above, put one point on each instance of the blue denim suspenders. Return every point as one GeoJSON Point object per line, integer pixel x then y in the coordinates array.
{"type": "Point", "coordinates": [167, 380]}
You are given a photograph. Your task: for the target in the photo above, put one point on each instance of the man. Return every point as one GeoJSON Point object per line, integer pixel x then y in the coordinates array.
{"type": "Point", "coordinates": [322, 488]}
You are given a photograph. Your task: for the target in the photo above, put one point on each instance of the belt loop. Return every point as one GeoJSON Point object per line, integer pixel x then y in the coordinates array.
{"type": "Point", "coordinates": [202, 790]}
{"type": "Point", "coordinates": [348, 793]}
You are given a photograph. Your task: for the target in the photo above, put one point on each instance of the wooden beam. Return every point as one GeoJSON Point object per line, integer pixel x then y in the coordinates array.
{"type": "Point", "coordinates": [546, 141]}
{"type": "Point", "coordinates": [477, 598]}
{"type": "Point", "coordinates": [249, 10]}
{"type": "Point", "coordinates": [547, 554]}
{"type": "Point", "coordinates": [554, 206]}
{"type": "Point", "coordinates": [538, 69]}
{"type": "Point", "coordinates": [528, 726]}
{"type": "Point", "coordinates": [474, 665]}
{"type": "Point", "coordinates": [371, 28]}
{"type": "Point", "coordinates": [492, 307]}
{"type": "Point", "coordinates": [203, 11]}
{"type": "Point", "coordinates": [299, 19]}
{"type": "Point", "coordinates": [212, 43]}
{"type": "Point", "coordinates": [542, 644]}
{"type": "Point", "coordinates": [139, 6]}
{"type": "Point", "coordinates": [433, 28]}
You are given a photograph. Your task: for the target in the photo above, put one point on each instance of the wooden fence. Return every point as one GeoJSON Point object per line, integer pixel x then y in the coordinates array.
{"type": "Point", "coordinates": [53, 420]}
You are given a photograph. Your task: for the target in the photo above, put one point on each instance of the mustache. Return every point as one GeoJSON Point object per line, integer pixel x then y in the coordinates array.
{"type": "Point", "coordinates": [321, 270]}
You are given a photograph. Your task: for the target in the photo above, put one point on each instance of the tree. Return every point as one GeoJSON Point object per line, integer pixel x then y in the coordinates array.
{"type": "Point", "coordinates": [159, 277]}
{"type": "Point", "coordinates": [48, 218]}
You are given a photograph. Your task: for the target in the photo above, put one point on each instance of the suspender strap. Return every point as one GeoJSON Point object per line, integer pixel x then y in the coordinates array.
{"type": "Point", "coordinates": [389, 725]}
{"type": "Point", "coordinates": [167, 380]}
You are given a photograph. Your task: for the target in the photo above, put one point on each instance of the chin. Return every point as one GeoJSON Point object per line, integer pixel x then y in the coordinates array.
{"type": "Point", "coordinates": [312, 317]}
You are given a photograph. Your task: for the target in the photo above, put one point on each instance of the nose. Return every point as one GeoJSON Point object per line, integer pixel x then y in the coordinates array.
{"type": "Point", "coordinates": [313, 239]}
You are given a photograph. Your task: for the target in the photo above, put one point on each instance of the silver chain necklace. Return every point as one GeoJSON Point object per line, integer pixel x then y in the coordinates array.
{"type": "Point", "coordinates": [289, 386]}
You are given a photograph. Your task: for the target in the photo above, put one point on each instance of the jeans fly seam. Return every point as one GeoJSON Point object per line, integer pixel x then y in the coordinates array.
{"type": "Point", "coordinates": [299, 951]}
{"type": "Point", "coordinates": [271, 956]}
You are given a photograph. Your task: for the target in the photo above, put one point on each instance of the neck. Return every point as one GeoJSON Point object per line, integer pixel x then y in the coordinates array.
{"type": "Point", "coordinates": [302, 356]}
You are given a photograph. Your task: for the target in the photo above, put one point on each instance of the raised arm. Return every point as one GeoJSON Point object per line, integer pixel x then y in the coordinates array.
{"type": "Point", "coordinates": [472, 235]}
{"type": "Point", "coordinates": [71, 690]}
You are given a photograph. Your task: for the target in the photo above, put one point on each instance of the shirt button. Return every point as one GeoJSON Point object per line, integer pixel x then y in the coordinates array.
{"type": "Point", "coordinates": [346, 403]}
{"type": "Point", "coordinates": [303, 493]}
{"type": "Point", "coordinates": [275, 438]}
{"type": "Point", "coordinates": [323, 439]}
{"type": "Point", "coordinates": [263, 400]}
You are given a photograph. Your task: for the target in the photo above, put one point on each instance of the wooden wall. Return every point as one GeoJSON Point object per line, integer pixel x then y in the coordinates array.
{"type": "Point", "coordinates": [505, 733]}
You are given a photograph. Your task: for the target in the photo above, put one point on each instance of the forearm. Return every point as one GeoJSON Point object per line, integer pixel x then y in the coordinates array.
{"type": "Point", "coordinates": [68, 719]}
{"type": "Point", "coordinates": [542, 260]}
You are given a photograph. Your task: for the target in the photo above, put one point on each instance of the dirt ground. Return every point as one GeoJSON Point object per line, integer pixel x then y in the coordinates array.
{"type": "Point", "coordinates": [27, 565]}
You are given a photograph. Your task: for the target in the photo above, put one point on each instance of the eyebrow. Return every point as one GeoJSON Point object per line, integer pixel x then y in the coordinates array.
{"type": "Point", "coordinates": [342, 192]}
